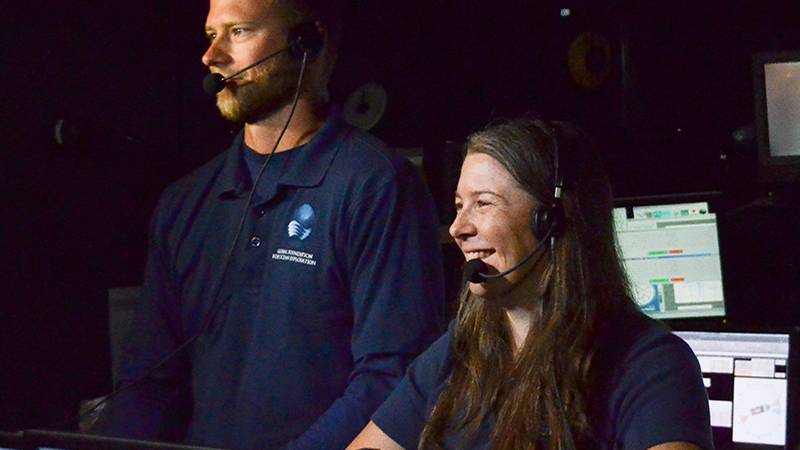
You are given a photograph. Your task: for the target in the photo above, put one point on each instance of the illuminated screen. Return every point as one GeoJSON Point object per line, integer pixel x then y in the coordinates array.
{"type": "Point", "coordinates": [777, 102]}
{"type": "Point", "coordinates": [672, 258]}
{"type": "Point", "coordinates": [750, 384]}
{"type": "Point", "coordinates": [783, 108]}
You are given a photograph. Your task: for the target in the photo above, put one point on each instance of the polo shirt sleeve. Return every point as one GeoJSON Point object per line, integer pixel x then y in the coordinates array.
{"type": "Point", "coordinates": [150, 401]}
{"type": "Point", "coordinates": [394, 258]}
{"type": "Point", "coordinates": [404, 414]}
{"type": "Point", "coordinates": [660, 396]}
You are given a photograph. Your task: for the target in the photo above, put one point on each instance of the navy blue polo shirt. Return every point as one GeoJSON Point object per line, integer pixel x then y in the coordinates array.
{"type": "Point", "coordinates": [651, 394]}
{"type": "Point", "coordinates": [333, 286]}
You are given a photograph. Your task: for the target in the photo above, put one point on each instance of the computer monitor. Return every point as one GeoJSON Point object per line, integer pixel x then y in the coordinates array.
{"type": "Point", "coordinates": [670, 248]}
{"type": "Point", "coordinates": [751, 378]}
{"type": "Point", "coordinates": [776, 77]}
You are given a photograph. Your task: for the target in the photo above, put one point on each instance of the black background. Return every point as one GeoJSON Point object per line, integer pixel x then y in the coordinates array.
{"type": "Point", "coordinates": [123, 77]}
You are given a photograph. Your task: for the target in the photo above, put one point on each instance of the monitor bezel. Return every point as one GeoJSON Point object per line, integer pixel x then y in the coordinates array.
{"type": "Point", "coordinates": [793, 370]}
{"type": "Point", "coordinates": [717, 204]}
{"type": "Point", "coordinates": [772, 170]}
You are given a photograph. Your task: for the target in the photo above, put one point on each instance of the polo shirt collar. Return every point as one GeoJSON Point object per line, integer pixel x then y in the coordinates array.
{"type": "Point", "coordinates": [308, 165]}
{"type": "Point", "coordinates": [311, 162]}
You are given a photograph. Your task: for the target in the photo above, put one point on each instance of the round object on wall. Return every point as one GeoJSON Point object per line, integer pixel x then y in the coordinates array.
{"type": "Point", "coordinates": [589, 59]}
{"type": "Point", "coordinates": [365, 106]}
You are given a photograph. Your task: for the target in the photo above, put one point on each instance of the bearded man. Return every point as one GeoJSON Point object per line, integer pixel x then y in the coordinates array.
{"type": "Point", "coordinates": [291, 279]}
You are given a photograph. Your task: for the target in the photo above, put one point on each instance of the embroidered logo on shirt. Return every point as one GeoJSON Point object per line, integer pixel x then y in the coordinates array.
{"type": "Point", "coordinates": [284, 254]}
{"type": "Point", "coordinates": [300, 226]}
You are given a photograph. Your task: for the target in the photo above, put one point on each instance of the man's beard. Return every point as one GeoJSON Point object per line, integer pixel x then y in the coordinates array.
{"type": "Point", "coordinates": [270, 87]}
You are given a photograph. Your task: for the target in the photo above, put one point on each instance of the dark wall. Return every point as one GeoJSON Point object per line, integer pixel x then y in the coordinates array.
{"type": "Point", "coordinates": [123, 79]}
{"type": "Point", "coordinates": [75, 215]}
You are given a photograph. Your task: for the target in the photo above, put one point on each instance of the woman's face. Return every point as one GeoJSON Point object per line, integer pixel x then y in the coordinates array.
{"type": "Point", "coordinates": [493, 217]}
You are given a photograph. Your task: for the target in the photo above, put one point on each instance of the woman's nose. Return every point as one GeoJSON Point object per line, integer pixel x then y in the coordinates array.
{"type": "Point", "coordinates": [462, 227]}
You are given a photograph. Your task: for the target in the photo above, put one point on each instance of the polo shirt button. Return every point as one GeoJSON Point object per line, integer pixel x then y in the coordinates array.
{"type": "Point", "coordinates": [255, 241]}
{"type": "Point", "coordinates": [262, 211]}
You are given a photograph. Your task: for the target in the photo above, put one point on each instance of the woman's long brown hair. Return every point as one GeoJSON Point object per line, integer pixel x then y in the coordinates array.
{"type": "Point", "coordinates": [538, 398]}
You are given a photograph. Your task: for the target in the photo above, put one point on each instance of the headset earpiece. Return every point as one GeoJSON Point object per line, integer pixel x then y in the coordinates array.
{"type": "Point", "coordinates": [305, 39]}
{"type": "Point", "coordinates": [551, 219]}
{"type": "Point", "coordinates": [548, 220]}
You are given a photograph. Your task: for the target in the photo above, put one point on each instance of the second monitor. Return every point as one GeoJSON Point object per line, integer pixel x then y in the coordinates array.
{"type": "Point", "coordinates": [671, 253]}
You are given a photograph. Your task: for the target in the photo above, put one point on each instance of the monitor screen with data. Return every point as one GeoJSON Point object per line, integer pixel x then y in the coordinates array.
{"type": "Point", "coordinates": [751, 382]}
{"type": "Point", "coordinates": [671, 255]}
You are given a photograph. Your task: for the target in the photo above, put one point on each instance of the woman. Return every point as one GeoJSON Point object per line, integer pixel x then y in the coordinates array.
{"type": "Point", "coordinates": [548, 351]}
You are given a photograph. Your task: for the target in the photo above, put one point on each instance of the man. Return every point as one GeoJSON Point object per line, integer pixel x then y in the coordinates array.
{"type": "Point", "coordinates": [281, 320]}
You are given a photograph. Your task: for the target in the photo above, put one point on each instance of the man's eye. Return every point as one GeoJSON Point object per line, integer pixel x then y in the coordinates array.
{"type": "Point", "coordinates": [481, 203]}
{"type": "Point", "coordinates": [239, 31]}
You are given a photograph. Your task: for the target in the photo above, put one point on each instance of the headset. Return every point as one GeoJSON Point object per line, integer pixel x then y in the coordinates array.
{"type": "Point", "coordinates": [550, 220]}
{"type": "Point", "coordinates": [547, 223]}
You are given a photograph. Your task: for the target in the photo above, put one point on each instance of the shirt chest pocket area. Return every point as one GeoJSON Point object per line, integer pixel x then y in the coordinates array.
{"type": "Point", "coordinates": [290, 255]}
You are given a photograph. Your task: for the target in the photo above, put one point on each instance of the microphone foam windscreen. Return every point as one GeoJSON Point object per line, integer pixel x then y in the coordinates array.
{"type": "Point", "coordinates": [213, 83]}
{"type": "Point", "coordinates": [473, 271]}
